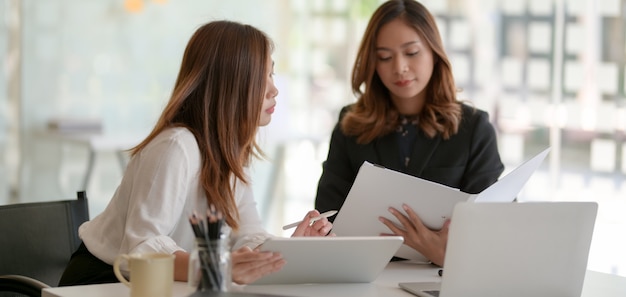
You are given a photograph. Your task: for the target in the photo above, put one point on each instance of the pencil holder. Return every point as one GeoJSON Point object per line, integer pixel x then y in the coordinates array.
{"type": "Point", "coordinates": [210, 265]}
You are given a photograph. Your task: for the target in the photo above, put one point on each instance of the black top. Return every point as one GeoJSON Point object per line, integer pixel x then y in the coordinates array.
{"type": "Point", "coordinates": [468, 160]}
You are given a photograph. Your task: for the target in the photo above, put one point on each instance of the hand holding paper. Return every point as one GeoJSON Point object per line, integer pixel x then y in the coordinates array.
{"type": "Point", "coordinates": [360, 213]}
{"type": "Point", "coordinates": [430, 243]}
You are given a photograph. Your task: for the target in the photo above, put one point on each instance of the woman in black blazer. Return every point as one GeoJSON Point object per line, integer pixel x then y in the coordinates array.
{"type": "Point", "coordinates": [407, 118]}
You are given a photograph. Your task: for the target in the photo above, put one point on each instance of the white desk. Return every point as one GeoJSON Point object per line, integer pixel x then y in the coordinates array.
{"type": "Point", "coordinates": [596, 285]}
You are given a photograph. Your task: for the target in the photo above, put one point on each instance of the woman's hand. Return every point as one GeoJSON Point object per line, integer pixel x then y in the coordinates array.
{"type": "Point", "coordinates": [320, 227]}
{"type": "Point", "coordinates": [250, 265]}
{"type": "Point", "coordinates": [431, 244]}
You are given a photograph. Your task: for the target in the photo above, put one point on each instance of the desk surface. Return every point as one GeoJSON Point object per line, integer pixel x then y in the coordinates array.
{"type": "Point", "coordinates": [596, 285]}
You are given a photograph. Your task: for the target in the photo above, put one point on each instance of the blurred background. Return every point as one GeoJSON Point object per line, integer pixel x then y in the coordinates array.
{"type": "Point", "coordinates": [82, 81]}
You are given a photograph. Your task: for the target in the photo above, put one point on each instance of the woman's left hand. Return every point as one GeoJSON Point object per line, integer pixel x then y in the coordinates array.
{"type": "Point", "coordinates": [320, 227]}
{"type": "Point", "coordinates": [431, 244]}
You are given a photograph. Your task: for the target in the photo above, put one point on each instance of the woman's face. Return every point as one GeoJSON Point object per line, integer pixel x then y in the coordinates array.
{"type": "Point", "coordinates": [269, 98]}
{"type": "Point", "coordinates": [404, 64]}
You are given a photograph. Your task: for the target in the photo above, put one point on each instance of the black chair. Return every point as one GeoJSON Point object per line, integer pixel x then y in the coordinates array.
{"type": "Point", "coordinates": [19, 285]}
{"type": "Point", "coordinates": [37, 242]}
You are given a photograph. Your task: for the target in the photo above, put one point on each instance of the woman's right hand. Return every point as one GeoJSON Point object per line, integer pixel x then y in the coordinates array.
{"type": "Point", "coordinates": [249, 265]}
{"type": "Point", "coordinates": [430, 243]}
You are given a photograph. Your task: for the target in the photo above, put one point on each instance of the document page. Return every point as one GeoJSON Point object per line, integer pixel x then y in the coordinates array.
{"type": "Point", "coordinates": [376, 188]}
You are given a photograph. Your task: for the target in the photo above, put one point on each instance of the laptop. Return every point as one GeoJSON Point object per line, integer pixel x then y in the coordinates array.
{"type": "Point", "coordinates": [376, 188]}
{"type": "Point", "coordinates": [330, 259]}
{"type": "Point", "coordinates": [514, 249]}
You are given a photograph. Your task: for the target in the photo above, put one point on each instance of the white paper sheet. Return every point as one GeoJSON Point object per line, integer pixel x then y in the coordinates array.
{"type": "Point", "coordinates": [376, 188]}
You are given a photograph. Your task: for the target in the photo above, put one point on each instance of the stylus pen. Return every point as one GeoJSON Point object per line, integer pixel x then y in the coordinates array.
{"type": "Point", "coordinates": [329, 213]}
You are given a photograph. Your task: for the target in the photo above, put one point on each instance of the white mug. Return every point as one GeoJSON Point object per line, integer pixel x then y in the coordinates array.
{"type": "Point", "coordinates": [151, 275]}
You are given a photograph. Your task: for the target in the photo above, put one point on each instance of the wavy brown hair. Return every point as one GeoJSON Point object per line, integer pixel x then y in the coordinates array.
{"type": "Point", "coordinates": [218, 96]}
{"type": "Point", "coordinates": [374, 115]}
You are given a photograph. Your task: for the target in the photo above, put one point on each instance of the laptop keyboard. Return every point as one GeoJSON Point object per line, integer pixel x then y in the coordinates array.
{"type": "Point", "coordinates": [433, 293]}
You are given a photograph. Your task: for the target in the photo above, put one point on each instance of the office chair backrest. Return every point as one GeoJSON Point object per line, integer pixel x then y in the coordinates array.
{"type": "Point", "coordinates": [37, 239]}
{"type": "Point", "coordinates": [20, 286]}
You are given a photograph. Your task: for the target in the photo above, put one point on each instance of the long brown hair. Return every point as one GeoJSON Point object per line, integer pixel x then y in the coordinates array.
{"type": "Point", "coordinates": [218, 96]}
{"type": "Point", "coordinates": [374, 115]}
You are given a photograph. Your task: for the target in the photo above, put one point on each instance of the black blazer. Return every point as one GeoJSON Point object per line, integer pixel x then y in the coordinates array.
{"type": "Point", "coordinates": [468, 160]}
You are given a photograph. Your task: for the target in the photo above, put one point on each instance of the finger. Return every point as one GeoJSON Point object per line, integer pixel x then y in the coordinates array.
{"type": "Point", "coordinates": [245, 254]}
{"type": "Point", "coordinates": [319, 224]}
{"type": "Point", "coordinates": [302, 228]}
{"type": "Point", "coordinates": [326, 230]}
{"type": "Point", "coordinates": [406, 223]}
{"type": "Point", "coordinates": [256, 257]}
{"type": "Point", "coordinates": [321, 227]}
{"type": "Point", "coordinates": [446, 227]}
{"type": "Point", "coordinates": [248, 277]}
{"type": "Point", "coordinates": [252, 264]}
{"type": "Point", "coordinates": [311, 214]}
{"type": "Point", "coordinates": [246, 258]}
{"type": "Point", "coordinates": [321, 232]}
{"type": "Point", "coordinates": [416, 222]}
{"type": "Point", "coordinates": [244, 249]}
{"type": "Point", "coordinates": [392, 226]}
{"type": "Point", "coordinates": [251, 271]}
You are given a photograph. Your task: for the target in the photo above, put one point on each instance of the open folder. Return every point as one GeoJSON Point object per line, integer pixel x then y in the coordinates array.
{"type": "Point", "coordinates": [376, 188]}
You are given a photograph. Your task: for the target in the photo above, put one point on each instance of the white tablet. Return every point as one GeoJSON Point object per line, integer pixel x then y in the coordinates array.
{"type": "Point", "coordinates": [330, 259]}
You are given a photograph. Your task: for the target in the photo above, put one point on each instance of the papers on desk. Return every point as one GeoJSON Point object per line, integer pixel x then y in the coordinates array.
{"type": "Point", "coordinates": [376, 188]}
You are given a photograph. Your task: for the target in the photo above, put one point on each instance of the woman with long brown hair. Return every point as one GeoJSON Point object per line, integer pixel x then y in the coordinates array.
{"type": "Point", "coordinates": [195, 156]}
{"type": "Point", "coordinates": [407, 117]}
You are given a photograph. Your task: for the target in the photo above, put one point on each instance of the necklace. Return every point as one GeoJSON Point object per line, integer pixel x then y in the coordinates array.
{"type": "Point", "coordinates": [406, 134]}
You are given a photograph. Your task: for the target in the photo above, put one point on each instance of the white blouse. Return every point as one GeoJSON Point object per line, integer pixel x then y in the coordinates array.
{"type": "Point", "coordinates": [150, 209]}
